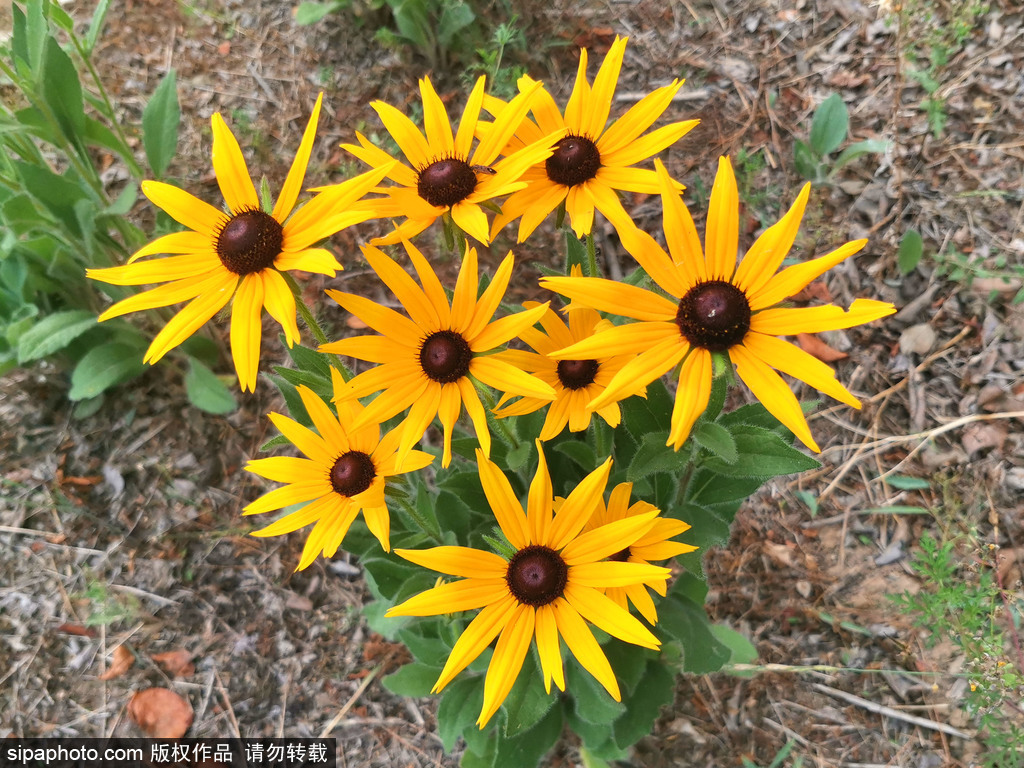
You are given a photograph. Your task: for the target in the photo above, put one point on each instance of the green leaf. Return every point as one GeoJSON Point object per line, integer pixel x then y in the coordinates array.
{"type": "Point", "coordinates": [104, 366]}
{"type": "Point", "coordinates": [581, 453]}
{"type": "Point", "coordinates": [741, 650]}
{"type": "Point", "coordinates": [310, 13]}
{"type": "Point", "coordinates": [829, 126]}
{"type": "Point", "coordinates": [458, 708]}
{"type": "Point", "coordinates": [591, 701]}
{"type": "Point", "coordinates": [58, 194]}
{"type": "Point", "coordinates": [910, 252]}
{"type": "Point", "coordinates": [160, 120]}
{"type": "Point", "coordinates": [654, 456]}
{"type": "Point", "coordinates": [807, 165]}
{"type": "Point", "coordinates": [312, 361]}
{"type": "Point", "coordinates": [291, 398]}
{"type": "Point", "coordinates": [96, 25]}
{"type": "Point", "coordinates": [905, 483]}
{"type": "Point", "coordinates": [716, 439]}
{"type": "Point", "coordinates": [206, 391]}
{"type": "Point", "coordinates": [455, 17]}
{"type": "Point", "coordinates": [641, 416]}
{"type": "Point", "coordinates": [762, 454]}
{"type": "Point", "coordinates": [527, 749]}
{"type": "Point", "coordinates": [527, 702]}
{"type": "Point", "coordinates": [575, 253]}
{"type": "Point", "coordinates": [644, 705]}
{"type": "Point", "coordinates": [852, 152]}
{"type": "Point", "coordinates": [315, 382]}
{"type": "Point", "coordinates": [62, 91]}
{"type": "Point", "coordinates": [53, 333]}
{"type": "Point", "coordinates": [686, 622]}
{"type": "Point", "coordinates": [413, 680]}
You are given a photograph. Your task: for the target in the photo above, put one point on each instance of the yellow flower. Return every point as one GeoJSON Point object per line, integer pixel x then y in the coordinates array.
{"type": "Point", "coordinates": [239, 254]}
{"type": "Point", "coordinates": [429, 360]}
{"type": "Point", "coordinates": [550, 588]}
{"type": "Point", "coordinates": [591, 162]}
{"type": "Point", "coordinates": [445, 175]}
{"type": "Point", "coordinates": [653, 545]}
{"type": "Point", "coordinates": [717, 306]}
{"type": "Point", "coordinates": [576, 382]}
{"type": "Point", "coordinates": [345, 471]}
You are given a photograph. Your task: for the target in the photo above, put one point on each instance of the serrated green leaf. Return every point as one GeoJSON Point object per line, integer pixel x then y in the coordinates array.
{"type": "Point", "coordinates": [762, 454]}
{"type": "Point", "coordinates": [910, 252]}
{"type": "Point", "coordinates": [686, 622]}
{"type": "Point", "coordinates": [591, 701]}
{"type": "Point", "coordinates": [291, 398]}
{"type": "Point", "coordinates": [53, 333]}
{"type": "Point", "coordinates": [581, 453]}
{"type": "Point", "coordinates": [315, 382]}
{"type": "Point", "coordinates": [829, 125]}
{"type": "Point", "coordinates": [207, 392]}
{"type": "Point", "coordinates": [160, 119]}
{"type": "Point", "coordinates": [716, 439]}
{"type": "Point", "coordinates": [104, 366]}
{"type": "Point", "coordinates": [527, 702]}
{"type": "Point", "coordinates": [458, 708]}
{"type": "Point", "coordinates": [654, 456]}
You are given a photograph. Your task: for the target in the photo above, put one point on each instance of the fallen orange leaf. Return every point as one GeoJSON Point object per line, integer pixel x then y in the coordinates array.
{"type": "Point", "coordinates": [175, 663]}
{"type": "Point", "coordinates": [160, 713]}
{"type": "Point", "coordinates": [123, 660]}
{"type": "Point", "coordinates": [812, 345]}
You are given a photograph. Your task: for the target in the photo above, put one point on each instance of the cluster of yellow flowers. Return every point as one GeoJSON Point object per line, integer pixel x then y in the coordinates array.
{"type": "Point", "coordinates": [575, 560]}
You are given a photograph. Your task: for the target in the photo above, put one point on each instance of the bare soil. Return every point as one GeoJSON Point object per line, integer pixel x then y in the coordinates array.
{"type": "Point", "coordinates": [124, 528]}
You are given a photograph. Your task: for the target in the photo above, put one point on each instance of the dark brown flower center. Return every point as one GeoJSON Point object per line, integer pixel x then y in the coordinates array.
{"type": "Point", "coordinates": [250, 242]}
{"type": "Point", "coordinates": [575, 160]}
{"type": "Point", "coordinates": [536, 575]}
{"type": "Point", "coordinates": [445, 356]}
{"type": "Point", "coordinates": [352, 473]}
{"type": "Point", "coordinates": [446, 182]}
{"type": "Point", "coordinates": [577, 374]}
{"type": "Point", "coordinates": [714, 315]}
{"type": "Point", "coordinates": [621, 556]}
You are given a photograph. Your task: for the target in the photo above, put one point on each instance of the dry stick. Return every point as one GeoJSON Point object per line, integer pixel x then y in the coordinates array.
{"type": "Point", "coordinates": [351, 701]}
{"type": "Point", "coordinates": [881, 709]}
{"type": "Point", "coordinates": [227, 704]}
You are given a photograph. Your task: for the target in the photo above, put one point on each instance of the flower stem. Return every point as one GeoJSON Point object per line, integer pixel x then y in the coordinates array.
{"type": "Point", "coordinates": [591, 268]}
{"type": "Point", "coordinates": [311, 322]}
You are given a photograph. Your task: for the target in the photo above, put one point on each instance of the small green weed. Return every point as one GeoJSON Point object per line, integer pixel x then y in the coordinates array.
{"type": "Point", "coordinates": [829, 128]}
{"type": "Point", "coordinates": [106, 606]}
{"type": "Point", "coordinates": [967, 606]}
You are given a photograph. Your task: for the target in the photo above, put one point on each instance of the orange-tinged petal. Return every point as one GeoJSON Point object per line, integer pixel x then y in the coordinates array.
{"type": "Point", "coordinates": [435, 121]}
{"type": "Point", "coordinates": [579, 99]}
{"type": "Point", "coordinates": [332, 210]}
{"type": "Point", "coordinates": [793, 361]}
{"type": "Point", "coordinates": [382, 319]}
{"type": "Point", "coordinates": [185, 208]}
{"type": "Point", "coordinates": [507, 661]}
{"type": "Point", "coordinates": [580, 207]}
{"type": "Point", "coordinates": [405, 134]}
{"type": "Point", "coordinates": [506, 378]}
{"type": "Point", "coordinates": [649, 144]}
{"type": "Point", "coordinates": [504, 329]}
{"type": "Point", "coordinates": [305, 439]}
{"type": "Point", "coordinates": [578, 507]}
{"type": "Point", "coordinates": [464, 297]}
{"type": "Point", "coordinates": [619, 340]}
{"type": "Point", "coordinates": [612, 574]}
{"type": "Point", "coordinates": [229, 166]}
{"type": "Point", "coordinates": [476, 412]}
{"type": "Point", "coordinates": [599, 104]}
{"type": "Point", "coordinates": [637, 119]}
{"type": "Point", "coordinates": [448, 410]}
{"type": "Point", "coordinates": [722, 235]}
{"type": "Point", "coordinates": [692, 395]}
{"type": "Point", "coordinates": [178, 242]}
{"type": "Point", "coordinates": [158, 270]}
{"type": "Point", "coordinates": [502, 499]}
{"type": "Point", "coordinates": [546, 632]}
{"type": "Point", "coordinates": [334, 435]}
{"type": "Point", "coordinates": [680, 233]}
{"type": "Point", "coordinates": [607, 202]}
{"type": "Point", "coordinates": [489, 300]}
{"type": "Point", "coordinates": [468, 121]}
{"type": "Point", "coordinates": [431, 285]}
{"type": "Point", "coordinates": [413, 299]}
{"type": "Point", "coordinates": [641, 371]}
{"type": "Point", "coordinates": [771, 390]}
{"type": "Point", "coordinates": [539, 500]}
{"type": "Point", "coordinates": [472, 220]}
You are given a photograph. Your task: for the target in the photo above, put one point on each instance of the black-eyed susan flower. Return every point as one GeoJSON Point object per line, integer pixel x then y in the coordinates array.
{"type": "Point", "coordinates": [576, 382]}
{"type": "Point", "coordinates": [345, 471]}
{"type": "Point", "coordinates": [717, 307]}
{"type": "Point", "coordinates": [445, 174]}
{"type": "Point", "coordinates": [591, 161]}
{"type": "Point", "coordinates": [548, 589]}
{"type": "Point", "coordinates": [656, 544]}
{"type": "Point", "coordinates": [237, 254]}
{"type": "Point", "coordinates": [428, 361]}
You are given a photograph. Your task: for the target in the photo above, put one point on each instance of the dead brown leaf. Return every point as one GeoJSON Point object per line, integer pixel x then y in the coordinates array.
{"type": "Point", "coordinates": [175, 663]}
{"type": "Point", "coordinates": [123, 660]}
{"type": "Point", "coordinates": [161, 713]}
{"type": "Point", "coordinates": [978, 437]}
{"type": "Point", "coordinates": [77, 629]}
{"type": "Point", "coordinates": [814, 346]}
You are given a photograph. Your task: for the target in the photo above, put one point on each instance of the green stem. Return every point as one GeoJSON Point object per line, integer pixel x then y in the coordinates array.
{"type": "Point", "coordinates": [591, 269]}
{"type": "Point", "coordinates": [311, 322]}
{"type": "Point", "coordinates": [499, 424]}
{"type": "Point", "coordinates": [421, 521]}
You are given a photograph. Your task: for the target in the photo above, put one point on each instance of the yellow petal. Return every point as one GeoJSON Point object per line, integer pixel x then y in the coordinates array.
{"type": "Point", "coordinates": [247, 330]}
{"type": "Point", "coordinates": [177, 242]}
{"type": "Point", "coordinates": [787, 322]}
{"type": "Point", "coordinates": [503, 502]}
{"type": "Point", "coordinates": [598, 609]}
{"type": "Point", "coordinates": [463, 595]}
{"type": "Point", "coordinates": [317, 260]}
{"type": "Point", "coordinates": [507, 660]}
{"type": "Point", "coordinates": [297, 171]}
{"type": "Point", "coordinates": [458, 561]}
{"type": "Point", "coordinates": [771, 390]}
{"type": "Point", "coordinates": [468, 121]}
{"type": "Point", "coordinates": [584, 647]}
{"type": "Point", "coordinates": [476, 412]}
{"type": "Point", "coordinates": [405, 134]}
{"type": "Point", "coordinates": [472, 220]}
{"type": "Point", "coordinates": [280, 303]}
{"type": "Point", "coordinates": [794, 279]}
{"type": "Point", "coordinates": [539, 500]}
{"type": "Point", "coordinates": [214, 294]}
{"type": "Point", "coordinates": [382, 319]}
{"type": "Point", "coordinates": [229, 166]}
{"type": "Point", "coordinates": [610, 574]}
{"type": "Point", "coordinates": [506, 378]}
{"type": "Point", "coordinates": [285, 469]}
{"type": "Point", "coordinates": [768, 251]}
{"type": "Point", "coordinates": [638, 119]}
{"type": "Point", "coordinates": [306, 440]}
{"type": "Point", "coordinates": [435, 121]}
{"type": "Point", "coordinates": [477, 636]}
{"type": "Point", "coordinates": [578, 507]}
{"type": "Point", "coordinates": [722, 234]}
{"type": "Point", "coordinates": [681, 233]}
{"type": "Point", "coordinates": [794, 361]}
{"type": "Point", "coordinates": [631, 338]}
{"type": "Point", "coordinates": [603, 91]}
{"type": "Point", "coordinates": [293, 493]}
{"type": "Point", "coordinates": [692, 395]}
{"type": "Point", "coordinates": [413, 299]}
{"type": "Point", "coordinates": [604, 541]}
{"type": "Point", "coordinates": [546, 632]}
{"type": "Point", "coordinates": [613, 297]}
{"type": "Point", "coordinates": [464, 297]}
{"type": "Point", "coordinates": [158, 270]}
{"type": "Point", "coordinates": [641, 371]}
{"type": "Point", "coordinates": [185, 208]}
{"type": "Point", "coordinates": [503, 329]}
